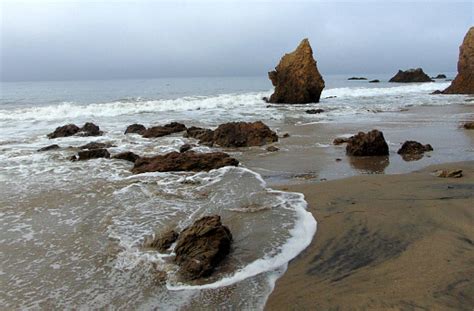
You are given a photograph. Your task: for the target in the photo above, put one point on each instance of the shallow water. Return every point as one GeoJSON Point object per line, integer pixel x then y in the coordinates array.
{"type": "Point", "coordinates": [72, 232]}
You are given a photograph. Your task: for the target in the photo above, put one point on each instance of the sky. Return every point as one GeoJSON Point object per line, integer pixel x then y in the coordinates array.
{"type": "Point", "coordinates": [119, 39]}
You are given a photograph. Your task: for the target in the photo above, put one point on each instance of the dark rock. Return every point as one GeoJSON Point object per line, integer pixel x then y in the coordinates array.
{"type": "Point", "coordinates": [48, 148]}
{"type": "Point", "coordinates": [243, 134]}
{"type": "Point", "coordinates": [95, 145]}
{"type": "Point", "coordinates": [357, 78]}
{"type": "Point", "coordinates": [187, 161]}
{"type": "Point", "coordinates": [73, 158]}
{"type": "Point", "coordinates": [64, 131]}
{"type": "Point", "coordinates": [159, 131]}
{"type": "Point", "coordinates": [367, 144]}
{"type": "Point", "coordinates": [202, 246]}
{"type": "Point", "coordinates": [163, 242]}
{"type": "Point", "coordinates": [296, 78]}
{"type": "Point", "coordinates": [272, 149]}
{"type": "Point", "coordinates": [199, 133]}
{"type": "Point", "coordinates": [265, 99]}
{"type": "Point", "coordinates": [412, 150]}
{"type": "Point", "coordinates": [464, 81]}
{"type": "Point", "coordinates": [90, 129]}
{"type": "Point", "coordinates": [440, 76]}
{"type": "Point", "coordinates": [329, 97]}
{"type": "Point", "coordinates": [468, 125]}
{"type": "Point", "coordinates": [135, 129]}
{"type": "Point", "coordinates": [314, 111]}
{"type": "Point", "coordinates": [127, 156]}
{"type": "Point", "coordinates": [340, 140]}
{"type": "Point", "coordinates": [185, 147]}
{"type": "Point", "coordinates": [411, 75]}
{"type": "Point", "coordinates": [374, 81]}
{"type": "Point", "coordinates": [437, 92]}
{"type": "Point", "coordinates": [93, 154]}
{"type": "Point", "coordinates": [286, 135]}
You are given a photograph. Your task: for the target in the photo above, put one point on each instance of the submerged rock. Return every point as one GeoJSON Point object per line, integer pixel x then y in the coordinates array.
{"type": "Point", "coordinates": [186, 161]}
{"type": "Point", "coordinates": [163, 242]}
{"type": "Point", "coordinates": [314, 111]}
{"type": "Point", "coordinates": [96, 145]}
{"type": "Point", "coordinates": [357, 78]}
{"type": "Point", "coordinates": [367, 144]}
{"type": "Point", "coordinates": [411, 75]}
{"type": "Point", "coordinates": [159, 131]}
{"type": "Point", "coordinates": [135, 129]}
{"type": "Point", "coordinates": [93, 154]}
{"type": "Point", "coordinates": [127, 156]}
{"type": "Point", "coordinates": [272, 149]}
{"type": "Point", "coordinates": [468, 125]}
{"type": "Point", "coordinates": [48, 148]}
{"type": "Point", "coordinates": [90, 129]}
{"type": "Point", "coordinates": [296, 78]}
{"type": "Point", "coordinates": [64, 131]}
{"type": "Point", "coordinates": [202, 246]}
{"type": "Point", "coordinates": [464, 81]}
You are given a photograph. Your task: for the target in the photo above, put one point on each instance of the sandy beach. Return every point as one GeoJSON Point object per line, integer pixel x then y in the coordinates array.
{"type": "Point", "coordinates": [385, 242]}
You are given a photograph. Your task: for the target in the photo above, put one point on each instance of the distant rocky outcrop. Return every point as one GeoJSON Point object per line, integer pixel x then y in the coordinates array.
{"type": "Point", "coordinates": [411, 75]}
{"type": "Point", "coordinates": [186, 161]}
{"type": "Point", "coordinates": [89, 129]}
{"type": "Point", "coordinates": [135, 129]}
{"type": "Point", "coordinates": [440, 76]}
{"type": "Point", "coordinates": [357, 78]}
{"type": "Point", "coordinates": [159, 131]}
{"type": "Point", "coordinates": [464, 81]}
{"type": "Point", "coordinates": [296, 78]}
{"type": "Point", "coordinates": [413, 150]}
{"type": "Point", "coordinates": [374, 81]}
{"type": "Point", "coordinates": [202, 246]}
{"type": "Point", "coordinates": [367, 144]}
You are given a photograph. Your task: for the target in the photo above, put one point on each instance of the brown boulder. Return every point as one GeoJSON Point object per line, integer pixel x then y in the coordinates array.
{"type": "Point", "coordinates": [127, 156]}
{"type": "Point", "coordinates": [93, 154]}
{"type": "Point", "coordinates": [464, 81]}
{"type": "Point", "coordinates": [243, 134]}
{"type": "Point", "coordinates": [64, 131]}
{"type": "Point", "coordinates": [163, 241]}
{"type": "Point", "coordinates": [135, 129]}
{"type": "Point", "coordinates": [413, 150]}
{"type": "Point", "coordinates": [411, 75]}
{"type": "Point", "coordinates": [90, 129]}
{"type": "Point", "coordinates": [367, 144]}
{"type": "Point", "coordinates": [159, 131]}
{"type": "Point", "coordinates": [468, 125]}
{"type": "Point", "coordinates": [202, 246]}
{"type": "Point", "coordinates": [199, 133]}
{"type": "Point", "coordinates": [296, 78]}
{"type": "Point", "coordinates": [186, 161]}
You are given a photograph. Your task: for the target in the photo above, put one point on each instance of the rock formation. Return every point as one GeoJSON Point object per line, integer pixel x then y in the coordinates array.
{"type": "Point", "coordinates": [367, 144]}
{"type": "Point", "coordinates": [89, 129]}
{"type": "Point", "coordinates": [296, 78]}
{"type": "Point", "coordinates": [202, 246]}
{"type": "Point", "coordinates": [163, 241]}
{"type": "Point", "coordinates": [413, 150]}
{"type": "Point", "coordinates": [96, 145]}
{"type": "Point", "coordinates": [186, 161]}
{"type": "Point", "coordinates": [159, 131]}
{"type": "Point", "coordinates": [135, 129]}
{"type": "Point", "coordinates": [48, 148]}
{"type": "Point", "coordinates": [374, 81]}
{"type": "Point", "coordinates": [314, 111]}
{"type": "Point", "coordinates": [468, 126]}
{"type": "Point", "coordinates": [440, 76]}
{"type": "Point", "coordinates": [127, 156]}
{"type": "Point", "coordinates": [93, 154]}
{"type": "Point", "coordinates": [411, 75]}
{"type": "Point", "coordinates": [464, 81]}
{"type": "Point", "coordinates": [357, 78]}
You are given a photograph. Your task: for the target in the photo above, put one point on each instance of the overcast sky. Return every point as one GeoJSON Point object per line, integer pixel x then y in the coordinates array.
{"type": "Point", "coordinates": [85, 39]}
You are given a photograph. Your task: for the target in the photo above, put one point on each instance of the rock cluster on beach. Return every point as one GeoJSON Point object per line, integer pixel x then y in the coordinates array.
{"type": "Point", "coordinates": [411, 75]}
{"type": "Point", "coordinates": [296, 78]}
{"type": "Point", "coordinates": [89, 129]}
{"type": "Point", "coordinates": [464, 81]}
{"type": "Point", "coordinates": [367, 144]}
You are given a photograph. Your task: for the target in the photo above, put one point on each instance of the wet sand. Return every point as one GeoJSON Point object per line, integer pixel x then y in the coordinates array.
{"type": "Point", "coordinates": [385, 242]}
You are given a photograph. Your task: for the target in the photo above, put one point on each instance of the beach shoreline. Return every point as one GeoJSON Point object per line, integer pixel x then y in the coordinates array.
{"type": "Point", "coordinates": [391, 242]}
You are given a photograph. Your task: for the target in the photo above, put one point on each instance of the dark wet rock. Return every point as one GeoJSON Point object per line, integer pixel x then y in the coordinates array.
{"type": "Point", "coordinates": [64, 131]}
{"type": "Point", "coordinates": [468, 125]}
{"type": "Point", "coordinates": [93, 154]}
{"type": "Point", "coordinates": [414, 147]}
{"type": "Point", "coordinates": [135, 129]}
{"type": "Point", "coordinates": [448, 173]}
{"type": "Point", "coordinates": [286, 135]}
{"type": "Point", "coordinates": [202, 246]}
{"type": "Point", "coordinates": [185, 147]}
{"type": "Point", "coordinates": [357, 78]}
{"type": "Point", "coordinates": [159, 131]}
{"type": "Point", "coordinates": [243, 134]}
{"type": "Point", "coordinates": [411, 75]}
{"type": "Point", "coordinates": [48, 148]}
{"type": "Point", "coordinates": [265, 99]}
{"type": "Point", "coordinates": [296, 78]}
{"type": "Point", "coordinates": [163, 242]}
{"type": "Point", "coordinates": [440, 76]}
{"type": "Point", "coordinates": [202, 134]}
{"type": "Point", "coordinates": [437, 92]}
{"type": "Point", "coordinates": [464, 81]}
{"type": "Point", "coordinates": [96, 145]}
{"type": "Point", "coordinates": [272, 149]}
{"type": "Point", "coordinates": [340, 140]}
{"type": "Point", "coordinates": [329, 97]}
{"type": "Point", "coordinates": [314, 111]}
{"type": "Point", "coordinates": [186, 161]}
{"type": "Point", "coordinates": [73, 158]}
{"type": "Point", "coordinates": [338, 159]}
{"type": "Point", "coordinates": [127, 156]}
{"type": "Point", "coordinates": [367, 144]}
{"type": "Point", "coordinates": [90, 129]}
{"type": "Point", "coordinates": [374, 81]}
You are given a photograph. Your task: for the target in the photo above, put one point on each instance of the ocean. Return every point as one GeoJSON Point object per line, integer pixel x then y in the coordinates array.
{"type": "Point", "coordinates": [72, 233]}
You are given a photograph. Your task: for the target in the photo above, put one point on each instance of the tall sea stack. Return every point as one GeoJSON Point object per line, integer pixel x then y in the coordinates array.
{"type": "Point", "coordinates": [464, 81]}
{"type": "Point", "coordinates": [296, 78]}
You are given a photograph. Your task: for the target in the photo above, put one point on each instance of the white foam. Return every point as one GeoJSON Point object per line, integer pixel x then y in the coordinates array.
{"type": "Point", "coordinates": [385, 91]}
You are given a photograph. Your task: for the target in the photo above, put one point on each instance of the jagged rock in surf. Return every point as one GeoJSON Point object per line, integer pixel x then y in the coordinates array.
{"type": "Point", "coordinates": [127, 156]}
{"type": "Point", "coordinates": [93, 154]}
{"type": "Point", "coordinates": [96, 145]}
{"type": "Point", "coordinates": [48, 148]}
{"type": "Point", "coordinates": [135, 129]}
{"type": "Point", "coordinates": [296, 78]}
{"type": "Point", "coordinates": [89, 129]}
{"type": "Point", "coordinates": [159, 131]}
{"type": "Point", "coordinates": [411, 75]}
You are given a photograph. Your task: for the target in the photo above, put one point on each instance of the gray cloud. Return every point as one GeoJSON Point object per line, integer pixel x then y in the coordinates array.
{"type": "Point", "coordinates": [58, 40]}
